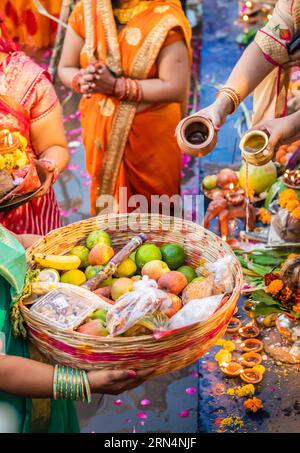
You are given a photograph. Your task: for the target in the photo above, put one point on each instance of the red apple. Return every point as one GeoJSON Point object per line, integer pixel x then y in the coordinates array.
{"type": "Point", "coordinates": [100, 254]}
{"type": "Point", "coordinates": [172, 282]}
{"type": "Point", "coordinates": [171, 308]}
{"type": "Point", "coordinates": [155, 269]}
{"type": "Point", "coordinates": [226, 177]}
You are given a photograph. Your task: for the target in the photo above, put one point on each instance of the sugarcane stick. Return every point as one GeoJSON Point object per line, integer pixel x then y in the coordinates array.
{"type": "Point", "coordinates": [61, 31]}
{"type": "Point", "coordinates": [111, 267]}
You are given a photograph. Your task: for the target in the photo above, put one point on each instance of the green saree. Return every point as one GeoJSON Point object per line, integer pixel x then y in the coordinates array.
{"type": "Point", "coordinates": [33, 415]}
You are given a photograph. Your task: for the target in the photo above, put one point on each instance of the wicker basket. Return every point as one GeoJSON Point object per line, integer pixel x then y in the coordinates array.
{"type": "Point", "coordinates": [168, 352]}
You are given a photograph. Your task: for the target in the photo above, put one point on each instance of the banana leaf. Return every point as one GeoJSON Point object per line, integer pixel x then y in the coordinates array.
{"type": "Point", "coordinates": [266, 304]}
{"type": "Point", "coordinates": [272, 192]}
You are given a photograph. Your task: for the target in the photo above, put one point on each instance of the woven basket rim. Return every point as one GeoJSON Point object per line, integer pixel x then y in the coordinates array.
{"type": "Point", "coordinates": [143, 338]}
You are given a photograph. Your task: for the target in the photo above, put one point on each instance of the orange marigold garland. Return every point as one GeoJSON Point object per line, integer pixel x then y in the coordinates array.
{"type": "Point", "coordinates": [265, 216]}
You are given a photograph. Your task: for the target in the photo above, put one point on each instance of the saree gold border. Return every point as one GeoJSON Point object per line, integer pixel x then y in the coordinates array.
{"type": "Point", "coordinates": [271, 47]}
{"type": "Point", "coordinates": [113, 59]}
{"type": "Point", "coordinates": [89, 29]}
{"type": "Point", "coordinates": [122, 123]}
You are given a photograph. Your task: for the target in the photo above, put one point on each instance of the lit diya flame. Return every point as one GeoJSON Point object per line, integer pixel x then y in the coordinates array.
{"type": "Point", "coordinates": [231, 369]}
{"type": "Point", "coordinates": [234, 325]}
{"type": "Point", "coordinates": [251, 376]}
{"type": "Point", "coordinates": [249, 331]}
{"type": "Point", "coordinates": [252, 345]}
{"type": "Point", "coordinates": [250, 359]}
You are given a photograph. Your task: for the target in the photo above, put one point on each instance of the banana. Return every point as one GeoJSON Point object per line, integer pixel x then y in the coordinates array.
{"type": "Point", "coordinates": [60, 263]}
{"type": "Point", "coordinates": [41, 288]}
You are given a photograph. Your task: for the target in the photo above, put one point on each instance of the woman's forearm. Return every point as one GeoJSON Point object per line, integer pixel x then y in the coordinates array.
{"type": "Point", "coordinates": [25, 377]}
{"type": "Point", "coordinates": [67, 74]}
{"type": "Point", "coordinates": [249, 71]}
{"type": "Point", "coordinates": [58, 154]}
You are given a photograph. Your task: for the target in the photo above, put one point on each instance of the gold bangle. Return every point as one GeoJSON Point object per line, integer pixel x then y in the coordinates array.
{"type": "Point", "coordinates": [82, 385]}
{"type": "Point", "coordinates": [66, 383]}
{"type": "Point", "coordinates": [231, 96]}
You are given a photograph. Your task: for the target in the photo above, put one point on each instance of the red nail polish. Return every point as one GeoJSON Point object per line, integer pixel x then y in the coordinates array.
{"type": "Point", "coordinates": [131, 373]}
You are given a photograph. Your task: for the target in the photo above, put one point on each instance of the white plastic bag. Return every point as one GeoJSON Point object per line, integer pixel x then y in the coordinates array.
{"type": "Point", "coordinates": [133, 306]}
{"type": "Point", "coordinates": [222, 273]}
{"type": "Point", "coordinates": [196, 310]}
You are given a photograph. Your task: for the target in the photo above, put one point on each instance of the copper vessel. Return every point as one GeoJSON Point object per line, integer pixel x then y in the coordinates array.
{"type": "Point", "coordinates": [196, 136]}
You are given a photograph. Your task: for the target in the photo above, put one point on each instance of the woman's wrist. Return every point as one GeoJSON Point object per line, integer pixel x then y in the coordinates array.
{"type": "Point", "coordinates": [224, 105]}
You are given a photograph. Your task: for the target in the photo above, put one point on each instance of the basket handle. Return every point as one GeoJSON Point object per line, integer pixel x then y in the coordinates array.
{"type": "Point", "coordinates": [111, 267]}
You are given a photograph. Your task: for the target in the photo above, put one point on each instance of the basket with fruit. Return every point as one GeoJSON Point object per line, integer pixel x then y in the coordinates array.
{"type": "Point", "coordinates": [18, 173]}
{"type": "Point", "coordinates": [158, 292]}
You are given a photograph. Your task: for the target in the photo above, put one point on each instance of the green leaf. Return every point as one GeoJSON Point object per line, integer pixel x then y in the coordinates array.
{"type": "Point", "coordinates": [263, 297]}
{"type": "Point", "coordinates": [263, 310]}
{"type": "Point", "coordinates": [272, 192]}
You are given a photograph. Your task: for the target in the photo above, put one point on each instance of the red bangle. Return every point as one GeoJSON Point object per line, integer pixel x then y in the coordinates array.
{"type": "Point", "coordinates": [114, 87]}
{"type": "Point", "coordinates": [75, 83]}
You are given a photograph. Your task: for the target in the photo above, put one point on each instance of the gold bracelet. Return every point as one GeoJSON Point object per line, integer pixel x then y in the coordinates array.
{"type": "Point", "coordinates": [232, 94]}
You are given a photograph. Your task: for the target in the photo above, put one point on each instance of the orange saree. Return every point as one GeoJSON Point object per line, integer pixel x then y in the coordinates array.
{"type": "Point", "coordinates": [126, 148]}
{"type": "Point", "coordinates": [26, 25]}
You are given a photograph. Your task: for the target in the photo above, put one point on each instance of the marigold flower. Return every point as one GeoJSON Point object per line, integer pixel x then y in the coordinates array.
{"type": "Point", "coordinates": [265, 216]}
{"type": "Point", "coordinates": [223, 356]}
{"type": "Point", "coordinates": [268, 278]}
{"type": "Point", "coordinates": [292, 256]}
{"type": "Point", "coordinates": [245, 390]}
{"type": "Point", "coordinates": [291, 205]}
{"type": "Point", "coordinates": [285, 294]}
{"type": "Point", "coordinates": [296, 308]}
{"type": "Point", "coordinates": [296, 213]}
{"type": "Point", "coordinates": [275, 286]}
{"type": "Point", "coordinates": [260, 368]}
{"type": "Point", "coordinates": [253, 404]}
{"type": "Point", "coordinates": [230, 391]}
{"type": "Point", "coordinates": [286, 196]}
{"type": "Point", "coordinates": [229, 345]}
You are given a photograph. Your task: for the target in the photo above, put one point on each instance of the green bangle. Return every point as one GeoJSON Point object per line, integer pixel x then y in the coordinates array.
{"type": "Point", "coordinates": [82, 386]}
{"type": "Point", "coordinates": [55, 382]}
{"type": "Point", "coordinates": [70, 385]}
{"type": "Point", "coordinates": [87, 387]}
{"type": "Point", "coordinates": [61, 381]}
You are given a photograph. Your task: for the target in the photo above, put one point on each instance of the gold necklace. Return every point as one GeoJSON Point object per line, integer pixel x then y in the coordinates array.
{"type": "Point", "coordinates": [125, 15]}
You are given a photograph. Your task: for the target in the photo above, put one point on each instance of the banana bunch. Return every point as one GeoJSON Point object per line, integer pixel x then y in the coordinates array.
{"type": "Point", "coordinates": [58, 262]}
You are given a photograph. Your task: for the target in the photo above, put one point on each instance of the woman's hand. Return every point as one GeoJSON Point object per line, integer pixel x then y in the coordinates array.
{"type": "Point", "coordinates": [281, 131]}
{"type": "Point", "coordinates": [97, 78]}
{"type": "Point", "coordinates": [50, 170]}
{"type": "Point", "coordinates": [114, 382]}
{"type": "Point", "coordinates": [27, 240]}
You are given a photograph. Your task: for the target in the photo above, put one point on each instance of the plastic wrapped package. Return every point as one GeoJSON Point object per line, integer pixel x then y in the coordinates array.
{"type": "Point", "coordinates": [67, 306]}
{"type": "Point", "coordinates": [222, 273]}
{"type": "Point", "coordinates": [285, 228]}
{"type": "Point", "coordinates": [197, 310]}
{"type": "Point", "coordinates": [129, 309]}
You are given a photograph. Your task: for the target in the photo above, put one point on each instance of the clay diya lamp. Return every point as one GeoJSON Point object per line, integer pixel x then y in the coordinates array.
{"type": "Point", "coordinates": [250, 359]}
{"type": "Point", "coordinates": [252, 345]}
{"type": "Point", "coordinates": [234, 325]}
{"type": "Point", "coordinates": [251, 376]}
{"type": "Point", "coordinates": [231, 369]}
{"type": "Point", "coordinates": [196, 136]}
{"type": "Point", "coordinates": [249, 331]}
{"type": "Point", "coordinates": [249, 307]}
{"type": "Point", "coordinates": [8, 142]}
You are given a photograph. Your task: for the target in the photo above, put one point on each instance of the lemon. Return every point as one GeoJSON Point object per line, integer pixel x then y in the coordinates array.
{"type": "Point", "coordinates": [126, 269]}
{"type": "Point", "coordinates": [83, 254]}
{"type": "Point", "coordinates": [49, 276]}
{"type": "Point", "coordinates": [173, 254]}
{"type": "Point", "coordinates": [188, 272]}
{"type": "Point", "coordinates": [146, 253]}
{"type": "Point", "coordinates": [74, 277]}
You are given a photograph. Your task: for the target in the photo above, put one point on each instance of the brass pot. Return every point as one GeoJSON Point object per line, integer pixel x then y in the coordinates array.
{"type": "Point", "coordinates": [196, 136]}
{"type": "Point", "coordinates": [254, 148]}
